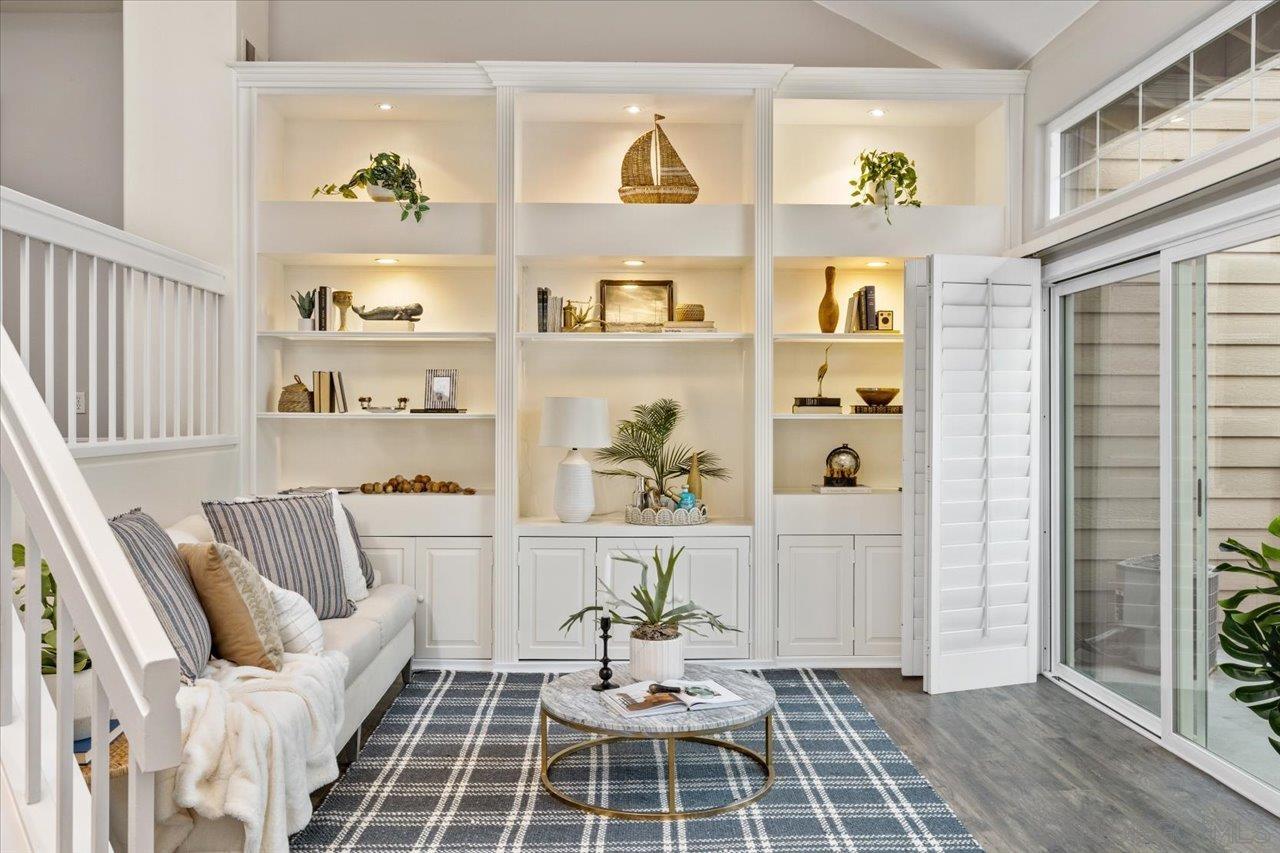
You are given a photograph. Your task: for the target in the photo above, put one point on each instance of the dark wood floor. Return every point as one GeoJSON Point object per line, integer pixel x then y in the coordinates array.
{"type": "Point", "coordinates": [1034, 768]}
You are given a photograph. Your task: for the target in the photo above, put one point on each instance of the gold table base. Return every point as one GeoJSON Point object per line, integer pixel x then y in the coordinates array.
{"type": "Point", "coordinates": [765, 762]}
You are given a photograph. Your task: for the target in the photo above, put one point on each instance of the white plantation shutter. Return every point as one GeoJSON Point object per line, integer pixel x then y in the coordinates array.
{"type": "Point", "coordinates": [915, 465]}
{"type": "Point", "coordinates": [983, 427]}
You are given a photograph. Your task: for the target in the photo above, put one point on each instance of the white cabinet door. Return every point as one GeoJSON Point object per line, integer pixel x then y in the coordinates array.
{"type": "Point", "coordinates": [454, 576]}
{"type": "Point", "coordinates": [557, 578]}
{"type": "Point", "coordinates": [715, 572]}
{"type": "Point", "coordinates": [815, 595]}
{"type": "Point", "coordinates": [392, 557]}
{"type": "Point", "coordinates": [621, 576]}
{"type": "Point", "coordinates": [877, 594]}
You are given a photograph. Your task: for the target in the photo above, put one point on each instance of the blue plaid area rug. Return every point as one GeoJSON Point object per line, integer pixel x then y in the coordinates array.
{"type": "Point", "coordinates": [453, 766]}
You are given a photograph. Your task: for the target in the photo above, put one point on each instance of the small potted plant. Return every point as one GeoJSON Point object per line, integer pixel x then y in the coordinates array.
{"type": "Point", "coordinates": [887, 178]}
{"type": "Point", "coordinates": [386, 178]}
{"type": "Point", "coordinates": [645, 439]}
{"type": "Point", "coordinates": [656, 617]}
{"type": "Point", "coordinates": [306, 304]}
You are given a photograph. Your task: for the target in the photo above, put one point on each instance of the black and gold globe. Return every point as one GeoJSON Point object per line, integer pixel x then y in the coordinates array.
{"type": "Point", "coordinates": [843, 465]}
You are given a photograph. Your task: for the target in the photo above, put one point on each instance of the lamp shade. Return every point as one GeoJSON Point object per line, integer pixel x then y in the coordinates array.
{"type": "Point", "coordinates": [575, 422]}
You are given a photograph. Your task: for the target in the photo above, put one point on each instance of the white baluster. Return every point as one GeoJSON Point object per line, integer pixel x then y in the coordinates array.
{"type": "Point", "coordinates": [64, 715]}
{"type": "Point", "coordinates": [142, 807]}
{"type": "Point", "coordinates": [73, 330]}
{"type": "Point", "coordinates": [24, 300]}
{"type": "Point", "coordinates": [175, 357]}
{"type": "Point", "coordinates": [31, 622]}
{"type": "Point", "coordinates": [161, 331]}
{"type": "Point", "coordinates": [130, 396]}
{"type": "Point", "coordinates": [191, 360]}
{"type": "Point", "coordinates": [204, 361]}
{"type": "Point", "coordinates": [92, 359]}
{"type": "Point", "coordinates": [113, 430]}
{"type": "Point", "coordinates": [6, 604]}
{"type": "Point", "coordinates": [100, 761]}
{"type": "Point", "coordinates": [147, 371]}
{"type": "Point", "coordinates": [50, 290]}
{"type": "Point", "coordinates": [215, 387]}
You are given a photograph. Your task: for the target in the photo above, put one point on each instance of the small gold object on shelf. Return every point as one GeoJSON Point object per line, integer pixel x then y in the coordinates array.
{"type": "Point", "coordinates": [294, 397]}
{"type": "Point", "coordinates": [690, 312]}
{"type": "Point", "coordinates": [342, 298]}
{"type": "Point", "coordinates": [653, 173]}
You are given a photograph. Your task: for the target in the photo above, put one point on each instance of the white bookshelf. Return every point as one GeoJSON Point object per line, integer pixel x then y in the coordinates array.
{"type": "Point", "coordinates": [521, 161]}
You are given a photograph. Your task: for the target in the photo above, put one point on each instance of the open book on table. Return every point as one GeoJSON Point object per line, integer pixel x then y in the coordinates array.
{"type": "Point", "coordinates": [636, 700]}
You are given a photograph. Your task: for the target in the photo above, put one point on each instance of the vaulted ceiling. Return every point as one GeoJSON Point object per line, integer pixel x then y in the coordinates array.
{"type": "Point", "coordinates": [969, 34]}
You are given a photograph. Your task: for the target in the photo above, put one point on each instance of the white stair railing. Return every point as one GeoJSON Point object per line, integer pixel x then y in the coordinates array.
{"type": "Point", "coordinates": [46, 505]}
{"type": "Point", "coordinates": [126, 339]}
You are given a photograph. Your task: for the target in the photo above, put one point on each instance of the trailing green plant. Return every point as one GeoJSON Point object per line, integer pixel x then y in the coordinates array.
{"type": "Point", "coordinates": [306, 303]}
{"type": "Point", "coordinates": [49, 601]}
{"type": "Point", "coordinates": [878, 168]}
{"type": "Point", "coordinates": [1252, 636]}
{"type": "Point", "coordinates": [653, 612]}
{"type": "Point", "coordinates": [645, 439]}
{"type": "Point", "coordinates": [385, 170]}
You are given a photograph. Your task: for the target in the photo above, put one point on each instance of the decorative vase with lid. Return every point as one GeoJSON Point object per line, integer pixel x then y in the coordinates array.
{"type": "Point", "coordinates": [829, 308]}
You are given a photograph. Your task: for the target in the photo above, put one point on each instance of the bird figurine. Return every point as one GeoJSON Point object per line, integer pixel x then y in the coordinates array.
{"type": "Point", "coordinates": [822, 371]}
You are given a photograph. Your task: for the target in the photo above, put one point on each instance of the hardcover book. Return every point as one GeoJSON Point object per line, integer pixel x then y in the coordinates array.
{"type": "Point", "coordinates": [635, 700]}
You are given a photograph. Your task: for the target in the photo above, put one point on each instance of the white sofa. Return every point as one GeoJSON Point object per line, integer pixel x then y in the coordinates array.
{"type": "Point", "coordinates": [377, 640]}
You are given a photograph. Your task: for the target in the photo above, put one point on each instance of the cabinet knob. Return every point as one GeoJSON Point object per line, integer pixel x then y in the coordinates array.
{"type": "Point", "coordinates": [421, 598]}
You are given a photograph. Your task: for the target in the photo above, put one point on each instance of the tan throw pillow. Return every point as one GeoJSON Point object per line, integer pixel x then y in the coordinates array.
{"type": "Point", "coordinates": [241, 612]}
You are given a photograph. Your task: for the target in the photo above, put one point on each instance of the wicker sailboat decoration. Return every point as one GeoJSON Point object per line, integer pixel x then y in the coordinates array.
{"type": "Point", "coordinates": [653, 173]}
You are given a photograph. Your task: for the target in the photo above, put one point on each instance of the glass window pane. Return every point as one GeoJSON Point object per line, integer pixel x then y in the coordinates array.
{"type": "Point", "coordinates": [1266, 97]}
{"type": "Point", "coordinates": [1111, 473]}
{"type": "Point", "coordinates": [1118, 118]}
{"type": "Point", "coordinates": [1227, 309]}
{"type": "Point", "coordinates": [1222, 59]}
{"type": "Point", "coordinates": [1079, 143]}
{"type": "Point", "coordinates": [1118, 167]}
{"type": "Point", "coordinates": [1227, 116]}
{"type": "Point", "coordinates": [1078, 187]}
{"type": "Point", "coordinates": [1165, 92]}
{"type": "Point", "coordinates": [1166, 145]}
{"type": "Point", "coordinates": [1268, 33]}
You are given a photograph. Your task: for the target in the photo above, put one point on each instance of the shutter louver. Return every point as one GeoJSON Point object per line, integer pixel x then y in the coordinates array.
{"type": "Point", "coordinates": [983, 525]}
{"type": "Point", "coordinates": [915, 469]}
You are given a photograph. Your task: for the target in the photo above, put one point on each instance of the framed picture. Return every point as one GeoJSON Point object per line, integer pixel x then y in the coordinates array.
{"type": "Point", "coordinates": [628, 305]}
{"type": "Point", "coordinates": [441, 390]}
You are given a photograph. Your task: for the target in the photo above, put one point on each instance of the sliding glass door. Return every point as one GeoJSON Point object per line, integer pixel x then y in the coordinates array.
{"type": "Point", "coordinates": [1107, 486]}
{"type": "Point", "coordinates": [1225, 408]}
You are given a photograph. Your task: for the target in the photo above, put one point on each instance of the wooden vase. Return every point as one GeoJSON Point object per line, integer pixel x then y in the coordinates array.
{"type": "Point", "coordinates": [828, 308]}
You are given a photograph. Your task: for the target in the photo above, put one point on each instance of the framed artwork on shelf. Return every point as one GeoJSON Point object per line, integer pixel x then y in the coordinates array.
{"type": "Point", "coordinates": [441, 393]}
{"type": "Point", "coordinates": [636, 305]}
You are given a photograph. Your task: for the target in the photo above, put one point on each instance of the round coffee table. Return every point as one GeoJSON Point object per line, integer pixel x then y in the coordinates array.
{"type": "Point", "coordinates": [570, 701]}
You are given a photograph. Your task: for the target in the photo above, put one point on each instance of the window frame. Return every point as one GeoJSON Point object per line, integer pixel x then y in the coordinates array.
{"type": "Point", "coordinates": [1182, 48]}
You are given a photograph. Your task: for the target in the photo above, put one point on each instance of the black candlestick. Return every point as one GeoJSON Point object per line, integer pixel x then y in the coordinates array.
{"type": "Point", "coordinates": [605, 672]}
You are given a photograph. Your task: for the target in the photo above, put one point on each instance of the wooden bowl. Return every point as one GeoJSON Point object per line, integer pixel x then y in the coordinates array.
{"type": "Point", "coordinates": [877, 396]}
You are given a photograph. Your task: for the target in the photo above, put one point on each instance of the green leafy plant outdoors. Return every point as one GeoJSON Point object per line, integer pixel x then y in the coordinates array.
{"type": "Point", "coordinates": [385, 170]}
{"type": "Point", "coordinates": [645, 439]}
{"type": "Point", "coordinates": [49, 600]}
{"type": "Point", "coordinates": [878, 168]}
{"type": "Point", "coordinates": [653, 612]}
{"type": "Point", "coordinates": [306, 303]}
{"type": "Point", "coordinates": [1252, 636]}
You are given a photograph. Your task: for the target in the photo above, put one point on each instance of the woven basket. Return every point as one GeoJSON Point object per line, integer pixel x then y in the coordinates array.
{"type": "Point", "coordinates": [294, 397]}
{"type": "Point", "coordinates": [690, 312]}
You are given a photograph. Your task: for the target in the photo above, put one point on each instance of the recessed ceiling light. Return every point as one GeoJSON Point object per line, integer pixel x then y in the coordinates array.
{"type": "Point", "coordinates": [633, 262]}
{"type": "Point", "coordinates": [877, 264]}
{"type": "Point", "coordinates": [876, 112]}
{"type": "Point", "coordinates": [634, 109]}
{"type": "Point", "coordinates": [386, 261]}
{"type": "Point", "coordinates": [386, 107]}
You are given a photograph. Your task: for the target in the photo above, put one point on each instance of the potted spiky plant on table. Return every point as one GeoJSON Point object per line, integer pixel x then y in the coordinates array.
{"type": "Point", "coordinates": [656, 618]}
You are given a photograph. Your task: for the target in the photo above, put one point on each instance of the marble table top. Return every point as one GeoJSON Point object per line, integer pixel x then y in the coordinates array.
{"type": "Point", "coordinates": [570, 698]}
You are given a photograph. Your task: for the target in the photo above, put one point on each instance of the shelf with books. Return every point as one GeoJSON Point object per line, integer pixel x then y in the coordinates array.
{"type": "Point", "coordinates": [378, 337]}
{"type": "Point", "coordinates": [838, 338]}
{"type": "Point", "coordinates": [833, 416]}
{"type": "Point", "coordinates": [633, 337]}
{"type": "Point", "coordinates": [374, 416]}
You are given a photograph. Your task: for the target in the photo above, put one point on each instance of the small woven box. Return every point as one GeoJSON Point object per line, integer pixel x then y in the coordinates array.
{"type": "Point", "coordinates": [294, 397]}
{"type": "Point", "coordinates": [690, 312]}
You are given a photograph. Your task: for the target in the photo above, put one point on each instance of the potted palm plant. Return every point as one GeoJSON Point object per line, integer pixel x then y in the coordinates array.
{"type": "Point", "coordinates": [386, 178]}
{"type": "Point", "coordinates": [656, 618]}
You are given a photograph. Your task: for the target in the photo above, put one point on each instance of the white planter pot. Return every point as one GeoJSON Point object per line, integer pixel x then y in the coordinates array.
{"type": "Point", "coordinates": [378, 193]}
{"type": "Point", "coordinates": [82, 700]}
{"type": "Point", "coordinates": [886, 193]}
{"type": "Point", "coordinates": [305, 324]}
{"type": "Point", "coordinates": [657, 660]}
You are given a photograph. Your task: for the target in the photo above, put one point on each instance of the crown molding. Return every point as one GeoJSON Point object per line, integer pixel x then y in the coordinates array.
{"type": "Point", "coordinates": [361, 75]}
{"type": "Point", "coordinates": [634, 76]}
{"type": "Point", "coordinates": [899, 82]}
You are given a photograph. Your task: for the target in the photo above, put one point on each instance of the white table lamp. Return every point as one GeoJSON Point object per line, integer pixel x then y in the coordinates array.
{"type": "Point", "coordinates": [575, 422]}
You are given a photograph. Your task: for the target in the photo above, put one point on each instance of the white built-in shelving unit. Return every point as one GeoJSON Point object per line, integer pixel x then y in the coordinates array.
{"type": "Point", "coordinates": [521, 162]}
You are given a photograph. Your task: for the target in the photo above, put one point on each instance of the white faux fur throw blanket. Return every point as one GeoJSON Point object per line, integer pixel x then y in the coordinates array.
{"type": "Point", "coordinates": [256, 743]}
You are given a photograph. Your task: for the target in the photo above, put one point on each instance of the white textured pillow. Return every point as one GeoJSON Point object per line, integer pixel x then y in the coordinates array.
{"type": "Point", "coordinates": [352, 576]}
{"type": "Point", "coordinates": [299, 628]}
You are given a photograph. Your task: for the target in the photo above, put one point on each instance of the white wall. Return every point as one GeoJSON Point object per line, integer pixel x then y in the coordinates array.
{"type": "Point", "coordinates": [61, 95]}
{"type": "Point", "coordinates": [1102, 44]}
{"type": "Point", "coordinates": [787, 31]}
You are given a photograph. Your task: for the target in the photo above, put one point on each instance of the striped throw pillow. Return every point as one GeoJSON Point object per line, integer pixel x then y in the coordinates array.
{"type": "Point", "coordinates": [294, 543]}
{"type": "Point", "coordinates": [366, 567]}
{"type": "Point", "coordinates": [163, 575]}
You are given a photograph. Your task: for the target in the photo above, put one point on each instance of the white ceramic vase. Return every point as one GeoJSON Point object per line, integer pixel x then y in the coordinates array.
{"type": "Point", "coordinates": [887, 193]}
{"type": "Point", "coordinates": [378, 193]}
{"type": "Point", "coordinates": [81, 700]}
{"type": "Point", "coordinates": [305, 324]}
{"type": "Point", "coordinates": [657, 660]}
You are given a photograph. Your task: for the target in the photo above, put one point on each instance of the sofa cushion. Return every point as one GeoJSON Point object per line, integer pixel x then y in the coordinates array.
{"type": "Point", "coordinates": [391, 606]}
{"type": "Point", "coordinates": [240, 609]}
{"type": "Point", "coordinates": [366, 566]}
{"type": "Point", "coordinates": [358, 639]}
{"type": "Point", "coordinates": [300, 631]}
{"type": "Point", "coordinates": [191, 530]}
{"type": "Point", "coordinates": [164, 578]}
{"type": "Point", "coordinates": [294, 543]}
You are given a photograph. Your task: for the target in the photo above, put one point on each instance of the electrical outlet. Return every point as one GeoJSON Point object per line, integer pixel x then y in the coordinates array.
{"type": "Point", "coordinates": [82, 403]}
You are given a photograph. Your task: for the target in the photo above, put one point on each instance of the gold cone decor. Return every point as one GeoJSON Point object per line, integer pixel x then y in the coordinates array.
{"type": "Point", "coordinates": [653, 173]}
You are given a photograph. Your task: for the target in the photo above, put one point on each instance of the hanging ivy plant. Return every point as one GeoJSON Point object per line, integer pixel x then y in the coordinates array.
{"type": "Point", "coordinates": [385, 170]}
{"type": "Point", "coordinates": [887, 178]}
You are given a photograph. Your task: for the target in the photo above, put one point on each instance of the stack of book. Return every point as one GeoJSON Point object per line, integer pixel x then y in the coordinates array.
{"type": "Point", "coordinates": [689, 326]}
{"type": "Point", "coordinates": [83, 748]}
{"type": "Point", "coordinates": [672, 696]}
{"type": "Point", "coordinates": [861, 313]}
{"type": "Point", "coordinates": [328, 392]}
{"type": "Point", "coordinates": [550, 311]}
